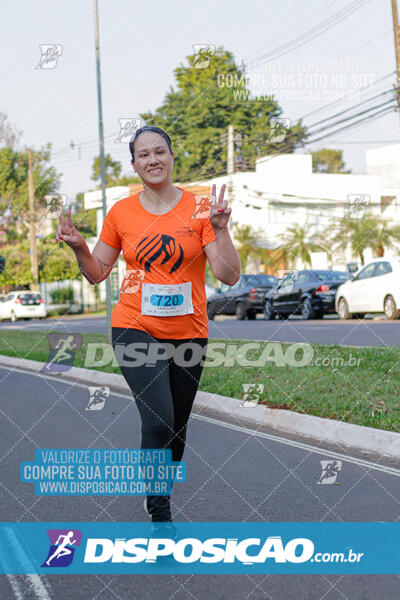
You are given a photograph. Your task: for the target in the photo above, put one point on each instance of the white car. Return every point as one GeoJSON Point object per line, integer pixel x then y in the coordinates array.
{"type": "Point", "coordinates": [23, 305]}
{"type": "Point", "coordinates": [375, 288]}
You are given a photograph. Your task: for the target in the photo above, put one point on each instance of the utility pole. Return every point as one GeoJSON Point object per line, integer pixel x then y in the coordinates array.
{"type": "Point", "coordinates": [102, 165]}
{"type": "Point", "coordinates": [396, 46]}
{"type": "Point", "coordinates": [32, 225]}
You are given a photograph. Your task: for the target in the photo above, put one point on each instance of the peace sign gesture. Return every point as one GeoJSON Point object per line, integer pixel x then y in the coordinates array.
{"type": "Point", "coordinates": [219, 211]}
{"type": "Point", "coordinates": [67, 232]}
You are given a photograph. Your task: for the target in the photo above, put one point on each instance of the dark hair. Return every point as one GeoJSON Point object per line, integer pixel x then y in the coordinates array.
{"type": "Point", "coordinates": [142, 130]}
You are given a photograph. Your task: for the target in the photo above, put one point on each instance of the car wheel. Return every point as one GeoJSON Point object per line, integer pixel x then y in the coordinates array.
{"type": "Point", "coordinates": [269, 313]}
{"type": "Point", "coordinates": [13, 316]}
{"type": "Point", "coordinates": [251, 315]}
{"type": "Point", "coordinates": [307, 311]}
{"type": "Point", "coordinates": [343, 309]}
{"type": "Point", "coordinates": [390, 308]}
{"type": "Point", "coordinates": [210, 312]}
{"type": "Point", "coordinates": [240, 311]}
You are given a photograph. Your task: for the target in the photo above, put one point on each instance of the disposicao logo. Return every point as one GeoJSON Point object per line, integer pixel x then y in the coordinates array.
{"type": "Point", "coordinates": [62, 547]}
{"type": "Point", "coordinates": [191, 550]}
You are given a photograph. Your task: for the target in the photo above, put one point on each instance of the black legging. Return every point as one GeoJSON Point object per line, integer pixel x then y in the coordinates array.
{"type": "Point", "coordinates": [164, 392]}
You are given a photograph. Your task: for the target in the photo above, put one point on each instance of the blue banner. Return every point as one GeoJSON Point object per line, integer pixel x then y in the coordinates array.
{"type": "Point", "coordinates": [102, 472]}
{"type": "Point", "coordinates": [218, 548]}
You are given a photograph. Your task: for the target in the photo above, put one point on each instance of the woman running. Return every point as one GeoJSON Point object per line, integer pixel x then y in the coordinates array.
{"type": "Point", "coordinates": [166, 238]}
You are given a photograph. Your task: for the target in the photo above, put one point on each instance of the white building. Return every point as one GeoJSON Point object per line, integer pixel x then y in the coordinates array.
{"type": "Point", "coordinates": [283, 191]}
{"type": "Point", "coordinates": [385, 163]}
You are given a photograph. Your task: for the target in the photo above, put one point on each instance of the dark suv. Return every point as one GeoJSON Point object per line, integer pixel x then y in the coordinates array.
{"type": "Point", "coordinates": [244, 299]}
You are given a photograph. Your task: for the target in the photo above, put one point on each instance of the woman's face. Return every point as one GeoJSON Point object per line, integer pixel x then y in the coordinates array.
{"type": "Point", "coordinates": [153, 160]}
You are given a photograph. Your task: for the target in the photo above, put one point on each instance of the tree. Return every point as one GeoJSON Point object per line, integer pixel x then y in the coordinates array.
{"type": "Point", "coordinates": [14, 199]}
{"type": "Point", "coordinates": [55, 263]}
{"type": "Point", "coordinates": [197, 113]}
{"type": "Point", "coordinates": [298, 243]}
{"type": "Point", "coordinates": [371, 231]}
{"type": "Point", "coordinates": [388, 237]}
{"type": "Point", "coordinates": [9, 135]}
{"type": "Point", "coordinates": [360, 234]}
{"type": "Point", "coordinates": [247, 243]}
{"type": "Point", "coordinates": [85, 220]}
{"type": "Point", "coordinates": [328, 160]}
{"type": "Point", "coordinates": [113, 170]}
{"type": "Point", "coordinates": [17, 273]}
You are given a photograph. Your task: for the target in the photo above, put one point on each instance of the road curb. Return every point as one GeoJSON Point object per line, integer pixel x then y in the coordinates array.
{"type": "Point", "coordinates": [377, 441]}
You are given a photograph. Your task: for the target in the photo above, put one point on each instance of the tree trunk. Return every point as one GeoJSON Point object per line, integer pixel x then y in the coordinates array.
{"type": "Point", "coordinates": [380, 251]}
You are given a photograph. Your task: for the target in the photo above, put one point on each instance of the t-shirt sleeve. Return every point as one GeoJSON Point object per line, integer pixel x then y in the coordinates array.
{"type": "Point", "coordinates": [207, 234]}
{"type": "Point", "coordinates": [109, 233]}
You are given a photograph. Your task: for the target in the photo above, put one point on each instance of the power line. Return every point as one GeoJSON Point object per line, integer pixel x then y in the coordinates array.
{"type": "Point", "coordinates": [314, 32]}
{"type": "Point", "coordinates": [390, 91]}
{"type": "Point", "coordinates": [298, 25]}
{"type": "Point", "coordinates": [370, 117]}
{"type": "Point", "coordinates": [81, 144]}
{"type": "Point", "coordinates": [289, 144]}
{"type": "Point", "coordinates": [366, 42]}
{"type": "Point", "coordinates": [321, 108]}
{"type": "Point", "coordinates": [366, 111]}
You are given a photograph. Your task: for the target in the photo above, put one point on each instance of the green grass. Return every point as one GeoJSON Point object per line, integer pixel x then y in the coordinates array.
{"type": "Point", "coordinates": [366, 393]}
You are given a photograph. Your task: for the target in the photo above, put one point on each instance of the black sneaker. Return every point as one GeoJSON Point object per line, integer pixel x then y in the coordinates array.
{"type": "Point", "coordinates": [159, 508]}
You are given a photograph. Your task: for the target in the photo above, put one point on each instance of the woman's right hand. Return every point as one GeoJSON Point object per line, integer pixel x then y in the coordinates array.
{"type": "Point", "coordinates": [67, 232]}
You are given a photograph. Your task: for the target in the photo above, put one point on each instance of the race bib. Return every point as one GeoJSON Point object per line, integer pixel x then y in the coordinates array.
{"type": "Point", "coordinates": [167, 300]}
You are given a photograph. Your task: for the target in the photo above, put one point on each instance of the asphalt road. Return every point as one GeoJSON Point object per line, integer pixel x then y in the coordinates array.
{"type": "Point", "coordinates": [240, 474]}
{"type": "Point", "coordinates": [361, 332]}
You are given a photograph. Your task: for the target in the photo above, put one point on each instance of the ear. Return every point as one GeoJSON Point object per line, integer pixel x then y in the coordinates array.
{"type": "Point", "coordinates": [133, 166]}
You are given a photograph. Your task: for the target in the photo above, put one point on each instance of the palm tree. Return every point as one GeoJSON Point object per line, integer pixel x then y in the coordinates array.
{"type": "Point", "coordinates": [247, 243]}
{"type": "Point", "coordinates": [387, 238]}
{"type": "Point", "coordinates": [371, 231]}
{"type": "Point", "coordinates": [298, 243]}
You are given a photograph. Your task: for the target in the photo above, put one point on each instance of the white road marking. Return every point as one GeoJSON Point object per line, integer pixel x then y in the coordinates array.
{"type": "Point", "coordinates": [281, 440]}
{"type": "Point", "coordinates": [35, 582]}
{"type": "Point", "coordinates": [16, 588]}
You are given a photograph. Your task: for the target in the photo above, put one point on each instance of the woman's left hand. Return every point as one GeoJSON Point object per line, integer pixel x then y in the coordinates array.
{"type": "Point", "coordinates": [219, 211]}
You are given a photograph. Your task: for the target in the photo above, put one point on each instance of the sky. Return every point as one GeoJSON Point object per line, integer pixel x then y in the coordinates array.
{"type": "Point", "coordinates": [143, 42]}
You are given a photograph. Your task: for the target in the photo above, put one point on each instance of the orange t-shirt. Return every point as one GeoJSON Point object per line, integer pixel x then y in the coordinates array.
{"type": "Point", "coordinates": [161, 249]}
